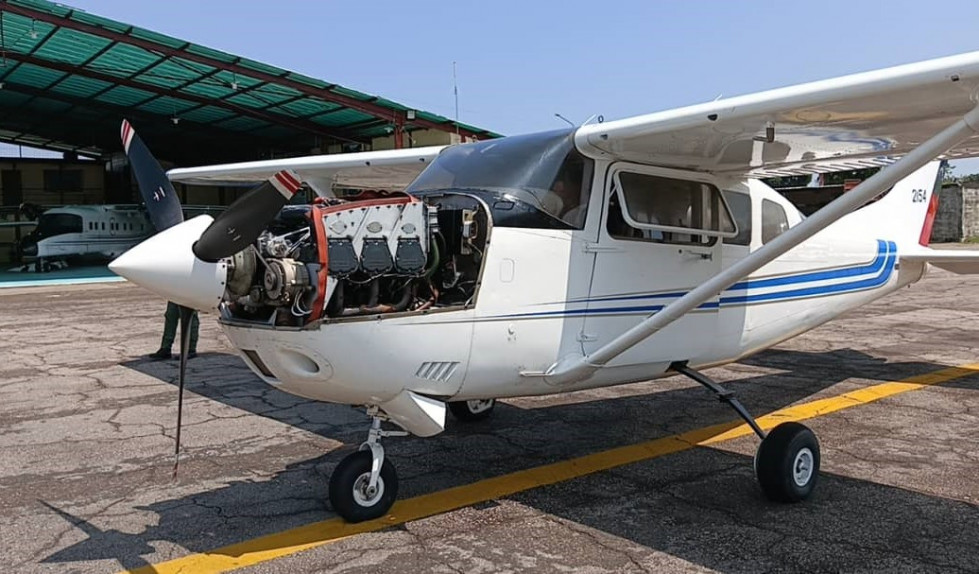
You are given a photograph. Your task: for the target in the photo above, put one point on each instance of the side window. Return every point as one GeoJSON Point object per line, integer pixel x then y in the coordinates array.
{"type": "Point", "coordinates": [773, 220]}
{"type": "Point", "coordinates": [567, 197]}
{"type": "Point", "coordinates": [666, 210]}
{"type": "Point", "coordinates": [740, 204]}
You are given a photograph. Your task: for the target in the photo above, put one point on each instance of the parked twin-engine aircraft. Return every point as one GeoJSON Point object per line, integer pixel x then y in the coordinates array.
{"type": "Point", "coordinates": [552, 262]}
{"type": "Point", "coordinates": [82, 232]}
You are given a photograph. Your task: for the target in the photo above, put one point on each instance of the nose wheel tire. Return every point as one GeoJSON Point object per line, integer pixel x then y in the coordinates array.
{"type": "Point", "coordinates": [475, 410]}
{"type": "Point", "coordinates": [787, 463]}
{"type": "Point", "coordinates": [352, 496]}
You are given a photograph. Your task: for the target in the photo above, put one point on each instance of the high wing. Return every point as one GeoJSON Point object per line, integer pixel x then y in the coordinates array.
{"type": "Point", "coordinates": [845, 123]}
{"type": "Point", "coordinates": [17, 223]}
{"type": "Point", "coordinates": [389, 169]}
{"type": "Point", "coordinates": [915, 113]}
{"type": "Point", "coordinates": [962, 262]}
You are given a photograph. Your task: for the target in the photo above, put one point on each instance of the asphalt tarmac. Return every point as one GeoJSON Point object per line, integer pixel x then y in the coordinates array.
{"type": "Point", "coordinates": [86, 454]}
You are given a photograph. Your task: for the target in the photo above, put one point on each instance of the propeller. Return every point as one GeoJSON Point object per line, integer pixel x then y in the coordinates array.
{"type": "Point", "coordinates": [164, 210]}
{"type": "Point", "coordinates": [241, 224]}
{"type": "Point", "coordinates": [186, 315]}
{"type": "Point", "coordinates": [157, 191]}
{"type": "Point", "coordinates": [234, 230]}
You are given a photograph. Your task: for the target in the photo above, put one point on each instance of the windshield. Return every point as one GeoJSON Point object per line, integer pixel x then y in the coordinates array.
{"type": "Point", "coordinates": [543, 171]}
{"type": "Point", "coordinates": [51, 224]}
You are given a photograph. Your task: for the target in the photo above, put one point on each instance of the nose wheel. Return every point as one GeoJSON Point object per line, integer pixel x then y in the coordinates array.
{"type": "Point", "coordinates": [365, 484]}
{"type": "Point", "coordinates": [787, 460]}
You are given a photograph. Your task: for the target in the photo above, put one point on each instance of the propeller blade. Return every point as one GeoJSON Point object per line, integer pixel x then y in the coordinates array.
{"type": "Point", "coordinates": [186, 314]}
{"type": "Point", "coordinates": [157, 191]}
{"type": "Point", "coordinates": [245, 219]}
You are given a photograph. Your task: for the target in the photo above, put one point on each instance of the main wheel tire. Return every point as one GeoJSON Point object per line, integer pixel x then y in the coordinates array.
{"type": "Point", "coordinates": [348, 488]}
{"type": "Point", "coordinates": [475, 410]}
{"type": "Point", "coordinates": [787, 463]}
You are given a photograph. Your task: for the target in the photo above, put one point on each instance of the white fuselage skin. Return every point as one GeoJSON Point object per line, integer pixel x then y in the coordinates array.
{"type": "Point", "coordinates": [106, 232]}
{"type": "Point", "coordinates": [546, 294]}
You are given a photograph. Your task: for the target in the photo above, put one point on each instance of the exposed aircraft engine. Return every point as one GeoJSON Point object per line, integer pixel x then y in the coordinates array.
{"type": "Point", "coordinates": [285, 280]}
{"type": "Point", "coordinates": [372, 255]}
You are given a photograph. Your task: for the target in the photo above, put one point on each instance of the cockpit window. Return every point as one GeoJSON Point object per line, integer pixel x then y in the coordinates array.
{"type": "Point", "coordinates": [543, 173]}
{"type": "Point", "coordinates": [51, 224]}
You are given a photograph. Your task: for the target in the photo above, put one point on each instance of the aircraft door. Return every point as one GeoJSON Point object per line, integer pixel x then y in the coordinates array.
{"type": "Point", "coordinates": [660, 237]}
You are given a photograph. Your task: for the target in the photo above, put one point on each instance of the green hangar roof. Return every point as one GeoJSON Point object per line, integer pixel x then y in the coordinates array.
{"type": "Point", "coordinates": [67, 79]}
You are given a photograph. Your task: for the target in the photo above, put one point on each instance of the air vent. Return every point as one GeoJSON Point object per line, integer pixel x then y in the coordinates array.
{"type": "Point", "coordinates": [439, 371]}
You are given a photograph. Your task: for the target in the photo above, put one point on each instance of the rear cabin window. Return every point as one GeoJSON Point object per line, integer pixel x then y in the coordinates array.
{"type": "Point", "coordinates": [666, 210]}
{"type": "Point", "coordinates": [773, 220]}
{"type": "Point", "coordinates": [740, 204]}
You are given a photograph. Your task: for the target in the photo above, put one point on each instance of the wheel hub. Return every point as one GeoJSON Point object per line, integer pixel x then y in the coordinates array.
{"type": "Point", "coordinates": [364, 493]}
{"type": "Point", "coordinates": [479, 405]}
{"type": "Point", "coordinates": [802, 467]}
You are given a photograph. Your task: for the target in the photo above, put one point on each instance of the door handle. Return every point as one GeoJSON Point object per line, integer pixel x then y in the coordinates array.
{"type": "Point", "coordinates": [705, 254]}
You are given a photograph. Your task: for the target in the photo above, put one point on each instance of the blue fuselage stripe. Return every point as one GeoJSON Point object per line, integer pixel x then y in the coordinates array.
{"type": "Point", "coordinates": [882, 266]}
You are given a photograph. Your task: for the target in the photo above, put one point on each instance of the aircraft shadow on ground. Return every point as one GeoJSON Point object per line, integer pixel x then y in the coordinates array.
{"type": "Point", "coordinates": [713, 490]}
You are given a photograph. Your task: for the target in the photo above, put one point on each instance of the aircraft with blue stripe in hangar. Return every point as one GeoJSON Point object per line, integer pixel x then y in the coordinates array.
{"type": "Point", "coordinates": [552, 262]}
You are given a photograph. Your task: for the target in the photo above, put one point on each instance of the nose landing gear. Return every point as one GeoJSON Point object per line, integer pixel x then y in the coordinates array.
{"type": "Point", "coordinates": [365, 484]}
{"type": "Point", "coordinates": [787, 460]}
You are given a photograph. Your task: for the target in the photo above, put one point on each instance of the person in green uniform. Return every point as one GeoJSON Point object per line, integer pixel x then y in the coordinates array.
{"type": "Point", "coordinates": [171, 320]}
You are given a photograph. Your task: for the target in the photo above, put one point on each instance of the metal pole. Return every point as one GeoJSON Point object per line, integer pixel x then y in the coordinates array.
{"type": "Point", "coordinates": [455, 90]}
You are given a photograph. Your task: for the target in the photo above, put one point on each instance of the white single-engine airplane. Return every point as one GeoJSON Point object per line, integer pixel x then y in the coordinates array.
{"type": "Point", "coordinates": [552, 262]}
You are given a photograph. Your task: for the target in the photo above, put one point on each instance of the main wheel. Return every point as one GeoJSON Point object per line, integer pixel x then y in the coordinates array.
{"type": "Point", "coordinates": [476, 410]}
{"type": "Point", "coordinates": [350, 494]}
{"type": "Point", "coordinates": [787, 463]}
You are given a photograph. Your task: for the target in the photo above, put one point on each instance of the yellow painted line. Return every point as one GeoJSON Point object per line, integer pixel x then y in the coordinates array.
{"type": "Point", "coordinates": [316, 534]}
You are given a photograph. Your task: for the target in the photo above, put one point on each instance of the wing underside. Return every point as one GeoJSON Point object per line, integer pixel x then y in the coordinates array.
{"type": "Point", "coordinates": [845, 123]}
{"type": "Point", "coordinates": [388, 169]}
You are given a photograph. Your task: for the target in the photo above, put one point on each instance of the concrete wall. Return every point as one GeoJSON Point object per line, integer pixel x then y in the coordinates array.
{"type": "Point", "coordinates": [958, 214]}
{"type": "Point", "coordinates": [948, 220]}
{"type": "Point", "coordinates": [32, 181]}
{"type": "Point", "coordinates": [418, 138]}
{"type": "Point", "coordinates": [970, 212]}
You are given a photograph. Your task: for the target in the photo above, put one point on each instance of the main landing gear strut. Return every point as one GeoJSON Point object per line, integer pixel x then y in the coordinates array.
{"type": "Point", "coordinates": [787, 460]}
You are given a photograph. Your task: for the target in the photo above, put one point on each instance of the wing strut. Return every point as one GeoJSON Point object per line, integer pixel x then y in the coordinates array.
{"type": "Point", "coordinates": [576, 366]}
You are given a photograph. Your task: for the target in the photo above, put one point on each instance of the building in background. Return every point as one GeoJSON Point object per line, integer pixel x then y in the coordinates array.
{"type": "Point", "coordinates": [69, 78]}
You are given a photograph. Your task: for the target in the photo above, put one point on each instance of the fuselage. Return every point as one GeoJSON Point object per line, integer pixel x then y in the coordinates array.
{"type": "Point", "coordinates": [506, 258]}
{"type": "Point", "coordinates": [546, 293]}
{"type": "Point", "coordinates": [86, 231]}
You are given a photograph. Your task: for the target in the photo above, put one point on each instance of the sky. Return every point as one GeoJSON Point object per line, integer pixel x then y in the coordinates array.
{"type": "Point", "coordinates": [520, 62]}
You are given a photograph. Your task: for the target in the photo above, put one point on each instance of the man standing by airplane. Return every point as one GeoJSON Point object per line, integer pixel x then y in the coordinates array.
{"type": "Point", "coordinates": [171, 318]}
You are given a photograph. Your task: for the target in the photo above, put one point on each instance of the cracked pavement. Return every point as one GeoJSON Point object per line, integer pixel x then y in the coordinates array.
{"type": "Point", "coordinates": [86, 453]}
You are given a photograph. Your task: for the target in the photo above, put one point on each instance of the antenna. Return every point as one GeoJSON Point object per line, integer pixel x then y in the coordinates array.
{"type": "Point", "coordinates": [455, 90]}
{"type": "Point", "coordinates": [570, 123]}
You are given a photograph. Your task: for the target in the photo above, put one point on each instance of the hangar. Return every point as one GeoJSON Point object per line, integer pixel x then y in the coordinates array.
{"type": "Point", "coordinates": [68, 77]}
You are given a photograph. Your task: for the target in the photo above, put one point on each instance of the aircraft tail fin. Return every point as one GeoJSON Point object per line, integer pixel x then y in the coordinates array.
{"type": "Point", "coordinates": [907, 212]}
